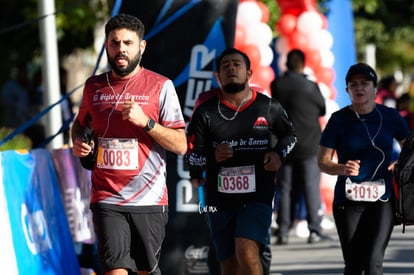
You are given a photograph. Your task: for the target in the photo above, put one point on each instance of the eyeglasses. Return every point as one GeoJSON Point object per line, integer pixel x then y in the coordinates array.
{"type": "Point", "coordinates": [356, 85]}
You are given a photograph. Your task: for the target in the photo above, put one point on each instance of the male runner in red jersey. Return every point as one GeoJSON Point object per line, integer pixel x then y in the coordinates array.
{"type": "Point", "coordinates": [135, 116]}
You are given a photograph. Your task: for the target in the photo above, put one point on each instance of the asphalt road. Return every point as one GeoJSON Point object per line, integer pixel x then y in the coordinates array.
{"type": "Point", "coordinates": [300, 258]}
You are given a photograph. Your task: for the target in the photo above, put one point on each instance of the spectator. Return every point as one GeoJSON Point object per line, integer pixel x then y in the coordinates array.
{"type": "Point", "coordinates": [403, 105]}
{"type": "Point", "coordinates": [300, 173]}
{"type": "Point", "coordinates": [387, 92]}
{"type": "Point", "coordinates": [66, 105]}
{"type": "Point", "coordinates": [15, 99]}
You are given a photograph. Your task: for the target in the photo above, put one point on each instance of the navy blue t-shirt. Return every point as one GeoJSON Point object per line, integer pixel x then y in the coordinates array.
{"type": "Point", "coordinates": [368, 138]}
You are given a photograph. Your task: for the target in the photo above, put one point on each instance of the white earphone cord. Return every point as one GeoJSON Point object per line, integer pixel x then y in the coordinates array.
{"type": "Point", "coordinates": [372, 140]}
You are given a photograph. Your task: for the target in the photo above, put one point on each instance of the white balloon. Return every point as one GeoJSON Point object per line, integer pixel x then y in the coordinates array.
{"type": "Point", "coordinates": [321, 39]}
{"type": "Point", "coordinates": [328, 58]}
{"type": "Point", "coordinates": [266, 54]}
{"type": "Point", "coordinates": [248, 13]}
{"type": "Point", "coordinates": [259, 34]}
{"type": "Point", "coordinates": [331, 107]}
{"type": "Point", "coordinates": [309, 21]}
{"type": "Point", "coordinates": [325, 91]}
{"type": "Point", "coordinates": [310, 74]}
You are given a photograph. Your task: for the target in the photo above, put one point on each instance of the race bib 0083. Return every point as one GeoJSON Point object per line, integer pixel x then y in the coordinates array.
{"type": "Point", "coordinates": [117, 153]}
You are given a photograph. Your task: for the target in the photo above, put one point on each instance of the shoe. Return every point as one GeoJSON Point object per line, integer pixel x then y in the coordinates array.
{"type": "Point", "coordinates": [315, 237]}
{"type": "Point", "coordinates": [282, 240]}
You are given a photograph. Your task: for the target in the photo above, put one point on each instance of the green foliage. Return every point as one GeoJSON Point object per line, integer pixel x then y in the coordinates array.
{"type": "Point", "coordinates": [19, 142]}
{"type": "Point", "coordinates": [19, 25]}
{"type": "Point", "coordinates": [369, 6]}
{"type": "Point", "coordinates": [385, 23]}
{"type": "Point", "coordinates": [388, 25]}
{"type": "Point", "coordinates": [274, 13]}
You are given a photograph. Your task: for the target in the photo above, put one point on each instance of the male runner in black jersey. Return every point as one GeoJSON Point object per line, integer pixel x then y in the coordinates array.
{"type": "Point", "coordinates": [230, 137]}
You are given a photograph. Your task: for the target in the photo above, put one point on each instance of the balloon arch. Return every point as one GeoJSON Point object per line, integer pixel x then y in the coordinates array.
{"type": "Point", "coordinates": [300, 26]}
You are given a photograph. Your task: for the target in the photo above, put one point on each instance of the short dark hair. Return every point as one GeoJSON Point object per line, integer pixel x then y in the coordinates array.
{"type": "Point", "coordinates": [126, 21]}
{"type": "Point", "coordinates": [295, 60]}
{"type": "Point", "coordinates": [232, 51]}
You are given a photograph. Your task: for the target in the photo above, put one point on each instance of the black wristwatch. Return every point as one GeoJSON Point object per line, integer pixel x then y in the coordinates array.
{"type": "Point", "coordinates": [150, 125]}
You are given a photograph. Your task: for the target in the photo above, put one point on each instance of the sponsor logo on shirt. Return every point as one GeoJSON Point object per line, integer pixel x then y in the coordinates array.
{"type": "Point", "coordinates": [261, 123]}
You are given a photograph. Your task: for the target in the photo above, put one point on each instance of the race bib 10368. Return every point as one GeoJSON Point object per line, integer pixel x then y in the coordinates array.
{"type": "Point", "coordinates": [241, 179]}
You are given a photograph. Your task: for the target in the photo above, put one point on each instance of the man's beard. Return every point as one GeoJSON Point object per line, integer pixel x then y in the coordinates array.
{"type": "Point", "coordinates": [132, 64]}
{"type": "Point", "coordinates": [234, 88]}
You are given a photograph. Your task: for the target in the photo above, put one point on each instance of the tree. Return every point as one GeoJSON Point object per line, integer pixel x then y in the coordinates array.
{"type": "Point", "coordinates": [19, 30]}
{"type": "Point", "coordinates": [385, 23]}
{"type": "Point", "coordinates": [388, 25]}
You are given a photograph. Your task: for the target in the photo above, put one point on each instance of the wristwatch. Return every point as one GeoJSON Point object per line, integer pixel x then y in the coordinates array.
{"type": "Point", "coordinates": [150, 125]}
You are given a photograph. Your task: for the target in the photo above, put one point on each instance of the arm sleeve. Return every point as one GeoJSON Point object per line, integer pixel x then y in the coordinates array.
{"type": "Point", "coordinates": [196, 156]}
{"type": "Point", "coordinates": [283, 129]}
{"type": "Point", "coordinates": [170, 109]}
{"type": "Point", "coordinates": [329, 134]}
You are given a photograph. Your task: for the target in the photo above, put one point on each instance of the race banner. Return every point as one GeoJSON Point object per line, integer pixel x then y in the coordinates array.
{"type": "Point", "coordinates": [75, 185]}
{"type": "Point", "coordinates": [39, 231]}
{"type": "Point", "coordinates": [6, 237]}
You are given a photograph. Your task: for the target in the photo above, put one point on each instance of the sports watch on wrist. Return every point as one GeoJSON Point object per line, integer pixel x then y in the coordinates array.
{"type": "Point", "coordinates": [150, 125]}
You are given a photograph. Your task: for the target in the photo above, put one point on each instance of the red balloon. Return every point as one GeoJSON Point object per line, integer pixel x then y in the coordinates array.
{"type": "Point", "coordinates": [296, 6]}
{"type": "Point", "coordinates": [240, 36]}
{"type": "Point", "coordinates": [325, 75]}
{"type": "Point", "coordinates": [333, 93]}
{"type": "Point", "coordinates": [286, 24]}
{"type": "Point", "coordinates": [263, 76]}
{"type": "Point", "coordinates": [265, 11]}
{"type": "Point", "coordinates": [253, 52]}
{"type": "Point", "coordinates": [313, 58]}
{"type": "Point", "coordinates": [298, 40]}
{"type": "Point", "coordinates": [294, 11]}
{"type": "Point", "coordinates": [324, 22]}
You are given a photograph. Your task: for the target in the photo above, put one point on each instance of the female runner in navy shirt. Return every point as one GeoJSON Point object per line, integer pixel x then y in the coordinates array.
{"type": "Point", "coordinates": [361, 135]}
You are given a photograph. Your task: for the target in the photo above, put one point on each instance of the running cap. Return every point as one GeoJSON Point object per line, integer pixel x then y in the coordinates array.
{"type": "Point", "coordinates": [364, 69]}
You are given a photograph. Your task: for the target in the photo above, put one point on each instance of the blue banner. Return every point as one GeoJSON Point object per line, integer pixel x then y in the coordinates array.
{"type": "Point", "coordinates": [41, 238]}
{"type": "Point", "coordinates": [341, 25]}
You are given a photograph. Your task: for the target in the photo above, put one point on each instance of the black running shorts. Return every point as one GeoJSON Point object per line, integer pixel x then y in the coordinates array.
{"type": "Point", "coordinates": [127, 239]}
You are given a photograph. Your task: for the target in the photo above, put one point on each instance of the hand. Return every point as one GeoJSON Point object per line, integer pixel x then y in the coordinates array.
{"type": "Point", "coordinates": [133, 112]}
{"type": "Point", "coordinates": [351, 167]}
{"type": "Point", "coordinates": [391, 166]}
{"type": "Point", "coordinates": [272, 161]}
{"type": "Point", "coordinates": [223, 152]}
{"type": "Point", "coordinates": [81, 148]}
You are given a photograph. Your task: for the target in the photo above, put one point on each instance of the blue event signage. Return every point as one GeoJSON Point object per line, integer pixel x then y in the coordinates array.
{"type": "Point", "coordinates": [41, 238]}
